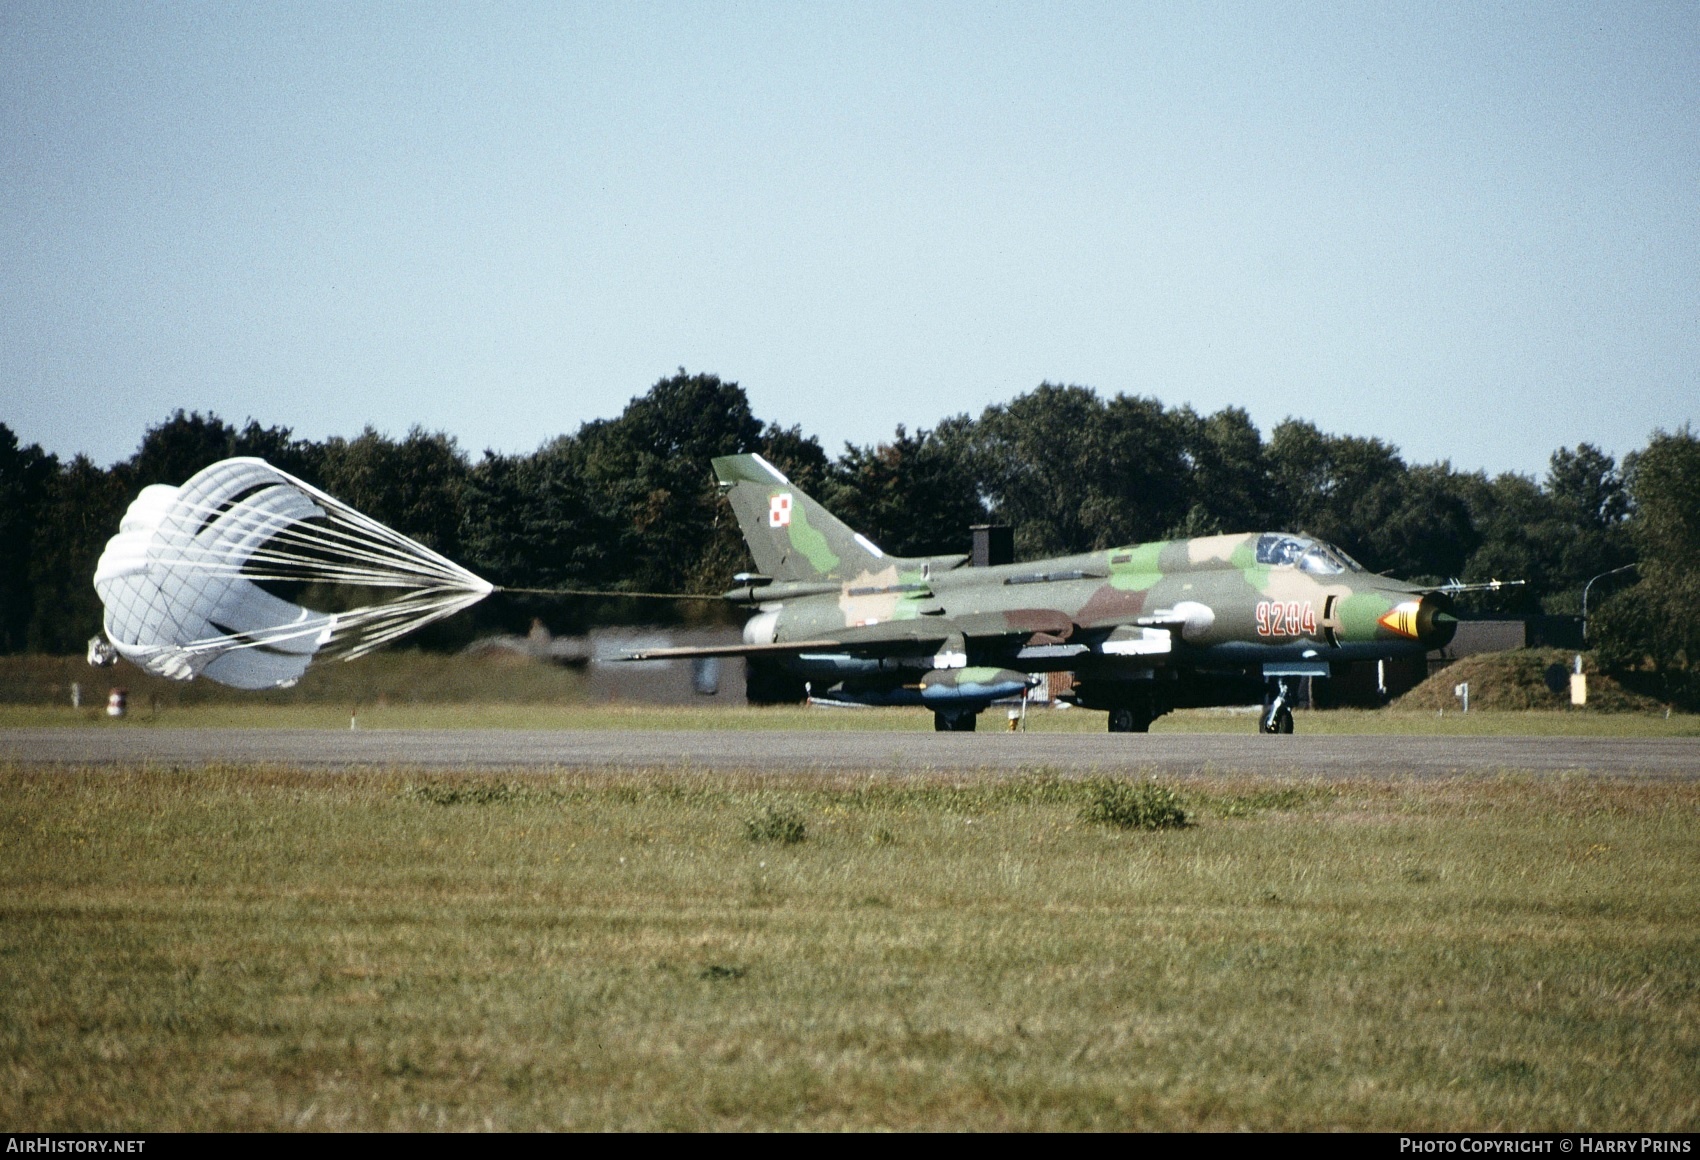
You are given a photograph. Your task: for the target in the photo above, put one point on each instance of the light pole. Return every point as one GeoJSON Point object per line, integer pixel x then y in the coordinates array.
{"type": "Point", "coordinates": [1589, 585]}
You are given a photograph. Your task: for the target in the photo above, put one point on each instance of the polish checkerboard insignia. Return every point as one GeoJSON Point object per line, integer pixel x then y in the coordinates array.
{"type": "Point", "coordinates": [779, 511]}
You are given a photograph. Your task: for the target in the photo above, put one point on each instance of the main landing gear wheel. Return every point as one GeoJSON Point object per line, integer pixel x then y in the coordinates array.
{"type": "Point", "coordinates": [958, 722]}
{"type": "Point", "coordinates": [1129, 720]}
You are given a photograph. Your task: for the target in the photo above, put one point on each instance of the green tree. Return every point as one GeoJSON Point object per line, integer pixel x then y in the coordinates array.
{"type": "Point", "coordinates": [1072, 472]}
{"type": "Point", "coordinates": [913, 496]}
{"type": "Point", "coordinates": [1554, 537]}
{"type": "Point", "coordinates": [531, 521]}
{"type": "Point", "coordinates": [26, 478]}
{"type": "Point", "coordinates": [172, 451]}
{"type": "Point", "coordinates": [649, 471]}
{"type": "Point", "coordinates": [414, 485]}
{"type": "Point", "coordinates": [1655, 625]}
{"type": "Point", "coordinates": [1519, 532]}
{"type": "Point", "coordinates": [1231, 486]}
{"type": "Point", "coordinates": [1358, 493]}
{"type": "Point", "coordinates": [1588, 486]}
{"type": "Point", "coordinates": [1338, 487]}
{"type": "Point", "coordinates": [800, 457]}
{"type": "Point", "coordinates": [79, 513]}
{"type": "Point", "coordinates": [1590, 501]}
{"type": "Point", "coordinates": [1426, 531]}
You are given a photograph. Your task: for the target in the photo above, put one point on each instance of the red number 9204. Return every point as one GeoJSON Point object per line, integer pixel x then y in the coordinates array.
{"type": "Point", "coordinates": [1285, 618]}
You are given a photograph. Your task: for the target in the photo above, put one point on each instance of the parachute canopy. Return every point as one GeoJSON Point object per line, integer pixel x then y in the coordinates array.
{"type": "Point", "coordinates": [185, 581]}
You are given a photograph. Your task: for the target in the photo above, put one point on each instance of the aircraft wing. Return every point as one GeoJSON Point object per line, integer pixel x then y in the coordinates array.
{"type": "Point", "coordinates": [893, 638]}
{"type": "Point", "coordinates": [729, 650]}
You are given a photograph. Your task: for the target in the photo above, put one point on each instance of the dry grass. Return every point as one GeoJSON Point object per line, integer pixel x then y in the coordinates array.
{"type": "Point", "coordinates": [264, 948]}
{"type": "Point", "coordinates": [1515, 681]}
{"type": "Point", "coordinates": [399, 677]}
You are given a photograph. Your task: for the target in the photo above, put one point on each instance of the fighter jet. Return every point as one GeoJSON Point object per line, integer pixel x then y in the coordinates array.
{"type": "Point", "coordinates": [1145, 629]}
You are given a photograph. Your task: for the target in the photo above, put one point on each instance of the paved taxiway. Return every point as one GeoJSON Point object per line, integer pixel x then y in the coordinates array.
{"type": "Point", "coordinates": [830, 751]}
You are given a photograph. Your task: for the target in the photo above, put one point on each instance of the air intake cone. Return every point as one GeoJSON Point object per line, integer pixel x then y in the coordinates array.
{"type": "Point", "coordinates": [1426, 621]}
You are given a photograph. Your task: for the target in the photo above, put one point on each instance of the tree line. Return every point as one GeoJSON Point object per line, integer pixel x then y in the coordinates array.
{"type": "Point", "coordinates": [629, 503]}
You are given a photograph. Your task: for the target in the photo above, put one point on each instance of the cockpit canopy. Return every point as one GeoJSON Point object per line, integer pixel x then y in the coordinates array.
{"type": "Point", "coordinates": [1313, 556]}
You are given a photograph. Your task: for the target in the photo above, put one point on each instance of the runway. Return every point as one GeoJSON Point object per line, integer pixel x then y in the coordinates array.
{"type": "Point", "coordinates": [841, 751]}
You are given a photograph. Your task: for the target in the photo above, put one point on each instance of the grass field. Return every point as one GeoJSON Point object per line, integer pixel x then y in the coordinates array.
{"type": "Point", "coordinates": [581, 716]}
{"type": "Point", "coordinates": [393, 676]}
{"type": "Point", "coordinates": [251, 948]}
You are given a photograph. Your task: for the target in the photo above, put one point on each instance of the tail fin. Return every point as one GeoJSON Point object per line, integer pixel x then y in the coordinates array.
{"type": "Point", "coordinates": [790, 535]}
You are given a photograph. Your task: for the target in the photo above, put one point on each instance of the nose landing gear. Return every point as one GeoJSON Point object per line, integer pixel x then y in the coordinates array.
{"type": "Point", "coordinates": [1277, 715]}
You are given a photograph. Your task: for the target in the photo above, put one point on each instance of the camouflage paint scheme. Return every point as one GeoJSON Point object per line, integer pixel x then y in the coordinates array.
{"type": "Point", "coordinates": [1145, 628]}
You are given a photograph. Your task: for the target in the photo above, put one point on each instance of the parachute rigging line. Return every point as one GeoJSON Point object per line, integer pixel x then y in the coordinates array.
{"type": "Point", "coordinates": [607, 592]}
{"type": "Point", "coordinates": [181, 581]}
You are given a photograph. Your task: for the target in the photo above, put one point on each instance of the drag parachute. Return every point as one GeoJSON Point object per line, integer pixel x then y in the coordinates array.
{"type": "Point", "coordinates": [192, 581]}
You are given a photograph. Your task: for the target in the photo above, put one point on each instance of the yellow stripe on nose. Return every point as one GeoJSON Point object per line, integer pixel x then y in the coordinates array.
{"type": "Point", "coordinates": [1402, 619]}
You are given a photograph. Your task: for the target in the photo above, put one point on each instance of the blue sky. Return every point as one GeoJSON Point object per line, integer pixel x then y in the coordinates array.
{"type": "Point", "coordinates": [1472, 230]}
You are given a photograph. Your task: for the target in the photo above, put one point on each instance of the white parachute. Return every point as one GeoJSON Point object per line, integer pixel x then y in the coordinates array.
{"type": "Point", "coordinates": [182, 580]}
